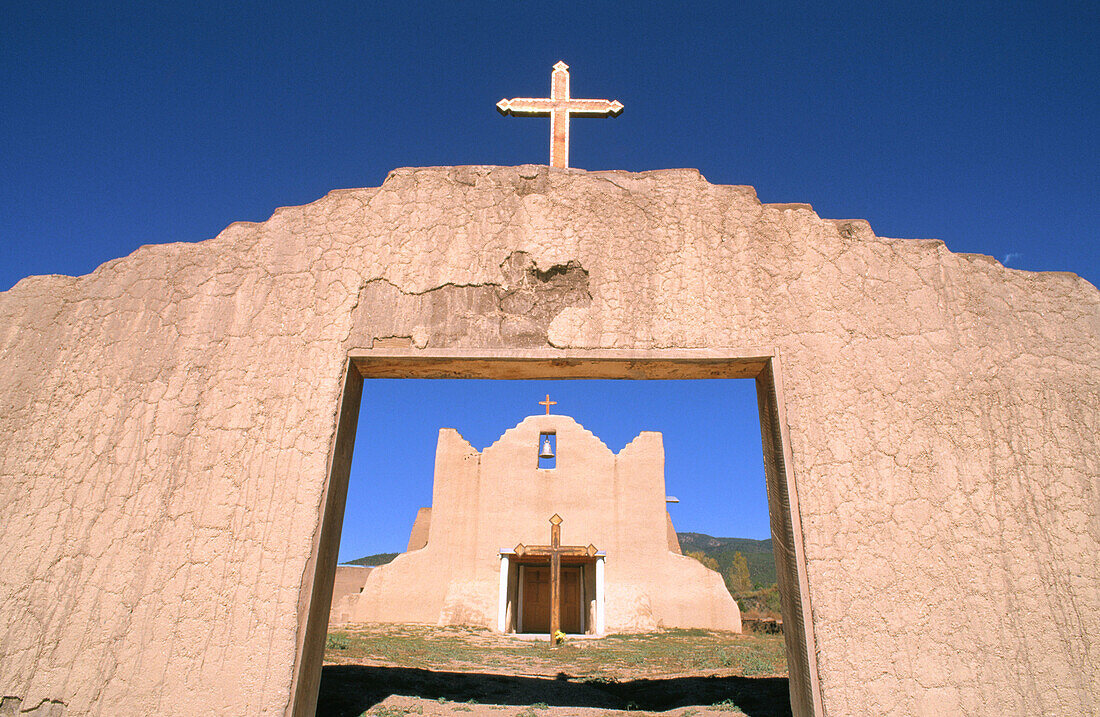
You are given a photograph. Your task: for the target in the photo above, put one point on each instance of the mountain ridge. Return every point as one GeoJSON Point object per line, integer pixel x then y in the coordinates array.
{"type": "Point", "coordinates": [758, 554]}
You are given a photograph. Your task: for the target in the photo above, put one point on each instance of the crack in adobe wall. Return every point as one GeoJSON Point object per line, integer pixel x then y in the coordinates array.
{"type": "Point", "coordinates": [12, 705]}
{"type": "Point", "coordinates": [515, 312]}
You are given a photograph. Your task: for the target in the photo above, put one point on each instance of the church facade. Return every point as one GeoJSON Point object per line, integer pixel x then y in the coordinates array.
{"type": "Point", "coordinates": [480, 554]}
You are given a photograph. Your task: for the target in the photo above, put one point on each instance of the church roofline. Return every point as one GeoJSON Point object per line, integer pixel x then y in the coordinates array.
{"type": "Point", "coordinates": [538, 417]}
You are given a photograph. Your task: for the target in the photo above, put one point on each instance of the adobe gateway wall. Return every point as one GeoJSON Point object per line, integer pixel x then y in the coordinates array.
{"type": "Point", "coordinates": [166, 424]}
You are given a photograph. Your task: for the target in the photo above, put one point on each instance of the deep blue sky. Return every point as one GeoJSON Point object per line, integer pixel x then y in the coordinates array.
{"type": "Point", "coordinates": [130, 123]}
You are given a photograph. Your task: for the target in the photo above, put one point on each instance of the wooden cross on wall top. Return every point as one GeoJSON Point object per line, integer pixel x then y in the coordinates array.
{"type": "Point", "coordinates": [555, 550]}
{"type": "Point", "coordinates": [548, 403]}
{"type": "Point", "coordinates": [559, 106]}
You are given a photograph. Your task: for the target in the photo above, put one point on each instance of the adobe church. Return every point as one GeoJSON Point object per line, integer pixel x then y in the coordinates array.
{"type": "Point", "coordinates": [484, 552]}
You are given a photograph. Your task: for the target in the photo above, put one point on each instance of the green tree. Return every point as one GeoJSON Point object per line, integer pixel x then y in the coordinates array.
{"type": "Point", "coordinates": [706, 560]}
{"type": "Point", "coordinates": [739, 581]}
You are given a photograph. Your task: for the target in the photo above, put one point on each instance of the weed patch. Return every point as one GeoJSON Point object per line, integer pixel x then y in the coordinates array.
{"type": "Point", "coordinates": [386, 711]}
{"type": "Point", "coordinates": [726, 705]}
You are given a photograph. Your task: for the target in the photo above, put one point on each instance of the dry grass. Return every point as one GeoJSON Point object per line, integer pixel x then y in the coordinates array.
{"type": "Point", "coordinates": [616, 657]}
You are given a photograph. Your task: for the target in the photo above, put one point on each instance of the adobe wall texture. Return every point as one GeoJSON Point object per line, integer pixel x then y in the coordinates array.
{"type": "Point", "coordinates": [483, 502]}
{"type": "Point", "coordinates": [166, 421]}
{"type": "Point", "coordinates": [347, 583]}
{"type": "Point", "coordinates": [418, 536]}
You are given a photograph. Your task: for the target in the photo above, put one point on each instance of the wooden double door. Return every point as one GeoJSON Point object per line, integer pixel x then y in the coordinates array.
{"type": "Point", "coordinates": [536, 598]}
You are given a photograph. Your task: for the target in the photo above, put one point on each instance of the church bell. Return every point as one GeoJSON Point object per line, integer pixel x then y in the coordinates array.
{"type": "Point", "coordinates": [547, 450]}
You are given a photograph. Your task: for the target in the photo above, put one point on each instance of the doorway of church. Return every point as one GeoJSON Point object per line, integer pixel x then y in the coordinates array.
{"type": "Point", "coordinates": [534, 599]}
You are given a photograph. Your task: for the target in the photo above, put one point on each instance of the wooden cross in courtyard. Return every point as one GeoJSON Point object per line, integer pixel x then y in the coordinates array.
{"type": "Point", "coordinates": [555, 551]}
{"type": "Point", "coordinates": [548, 403]}
{"type": "Point", "coordinates": [559, 106]}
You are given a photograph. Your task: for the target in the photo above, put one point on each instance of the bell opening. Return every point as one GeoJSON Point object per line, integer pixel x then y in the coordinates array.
{"type": "Point", "coordinates": [547, 458]}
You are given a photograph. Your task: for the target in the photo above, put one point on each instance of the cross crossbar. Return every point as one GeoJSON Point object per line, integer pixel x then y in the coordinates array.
{"type": "Point", "coordinates": [566, 551]}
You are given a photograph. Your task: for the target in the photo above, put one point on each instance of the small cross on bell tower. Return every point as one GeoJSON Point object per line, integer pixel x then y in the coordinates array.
{"type": "Point", "coordinates": [548, 403]}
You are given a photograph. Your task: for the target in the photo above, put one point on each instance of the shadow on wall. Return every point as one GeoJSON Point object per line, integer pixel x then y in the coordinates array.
{"type": "Point", "coordinates": [349, 690]}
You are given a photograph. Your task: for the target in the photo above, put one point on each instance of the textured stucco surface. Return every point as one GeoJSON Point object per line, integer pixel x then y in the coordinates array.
{"type": "Point", "coordinates": [348, 582]}
{"type": "Point", "coordinates": [166, 424]}
{"type": "Point", "coordinates": [492, 500]}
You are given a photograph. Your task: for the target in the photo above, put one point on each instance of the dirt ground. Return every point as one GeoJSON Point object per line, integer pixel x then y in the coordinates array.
{"type": "Point", "coordinates": [399, 670]}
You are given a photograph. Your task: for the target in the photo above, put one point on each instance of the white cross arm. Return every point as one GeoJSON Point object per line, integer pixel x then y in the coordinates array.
{"type": "Point", "coordinates": [542, 106]}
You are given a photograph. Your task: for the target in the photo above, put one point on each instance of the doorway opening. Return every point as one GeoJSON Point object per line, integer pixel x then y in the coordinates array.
{"type": "Point", "coordinates": [785, 525]}
{"type": "Point", "coordinates": [534, 598]}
